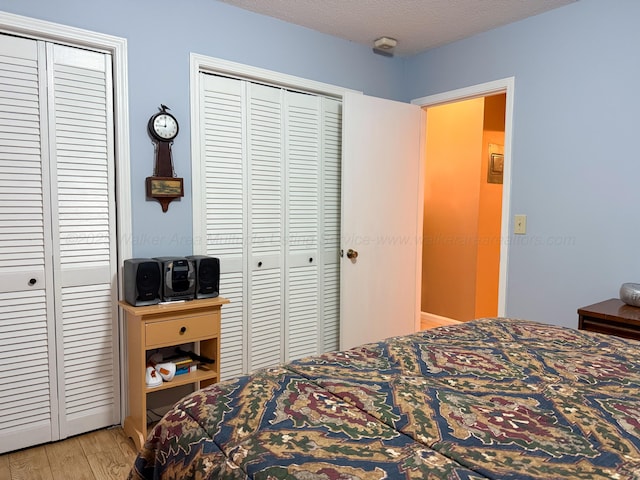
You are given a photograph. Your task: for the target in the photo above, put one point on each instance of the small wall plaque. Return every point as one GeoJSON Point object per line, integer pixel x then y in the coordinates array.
{"type": "Point", "coordinates": [495, 170]}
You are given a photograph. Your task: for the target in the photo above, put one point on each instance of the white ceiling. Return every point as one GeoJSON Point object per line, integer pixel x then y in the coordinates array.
{"type": "Point", "coordinates": [418, 25]}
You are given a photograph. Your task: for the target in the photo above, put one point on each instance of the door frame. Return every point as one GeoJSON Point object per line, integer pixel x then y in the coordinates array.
{"type": "Point", "coordinates": [506, 86]}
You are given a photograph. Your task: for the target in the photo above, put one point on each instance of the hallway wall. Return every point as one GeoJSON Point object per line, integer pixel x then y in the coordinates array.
{"type": "Point", "coordinates": [490, 212]}
{"type": "Point", "coordinates": [462, 211]}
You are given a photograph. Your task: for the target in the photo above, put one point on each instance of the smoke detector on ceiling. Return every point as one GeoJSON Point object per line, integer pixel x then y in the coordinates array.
{"type": "Point", "coordinates": [384, 46]}
{"type": "Point", "coordinates": [385, 43]}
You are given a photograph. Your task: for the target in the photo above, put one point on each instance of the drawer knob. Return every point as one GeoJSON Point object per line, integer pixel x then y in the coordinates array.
{"type": "Point", "coordinates": [182, 330]}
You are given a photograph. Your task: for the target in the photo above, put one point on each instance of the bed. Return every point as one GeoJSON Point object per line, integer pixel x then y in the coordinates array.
{"type": "Point", "coordinates": [489, 399]}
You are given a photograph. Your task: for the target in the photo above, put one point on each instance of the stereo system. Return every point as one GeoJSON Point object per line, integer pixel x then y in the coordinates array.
{"type": "Point", "coordinates": [148, 281]}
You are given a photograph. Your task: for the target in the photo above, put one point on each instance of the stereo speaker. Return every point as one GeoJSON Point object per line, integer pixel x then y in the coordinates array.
{"type": "Point", "coordinates": [142, 279]}
{"type": "Point", "coordinates": [178, 278]}
{"type": "Point", "coordinates": [207, 276]}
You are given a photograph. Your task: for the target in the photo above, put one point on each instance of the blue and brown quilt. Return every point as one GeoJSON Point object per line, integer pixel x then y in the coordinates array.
{"type": "Point", "coordinates": [489, 399]}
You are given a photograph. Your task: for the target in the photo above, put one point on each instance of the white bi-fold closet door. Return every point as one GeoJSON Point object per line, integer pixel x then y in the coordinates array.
{"type": "Point", "coordinates": [58, 323]}
{"type": "Point", "coordinates": [269, 184]}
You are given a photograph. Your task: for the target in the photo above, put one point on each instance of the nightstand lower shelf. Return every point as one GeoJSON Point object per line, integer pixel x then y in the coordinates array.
{"type": "Point", "coordinates": [201, 375]}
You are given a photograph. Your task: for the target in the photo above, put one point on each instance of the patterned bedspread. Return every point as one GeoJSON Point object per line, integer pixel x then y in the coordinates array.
{"type": "Point", "coordinates": [489, 399]}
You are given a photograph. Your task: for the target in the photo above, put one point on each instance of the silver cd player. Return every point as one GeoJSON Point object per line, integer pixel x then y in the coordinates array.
{"type": "Point", "coordinates": [179, 278]}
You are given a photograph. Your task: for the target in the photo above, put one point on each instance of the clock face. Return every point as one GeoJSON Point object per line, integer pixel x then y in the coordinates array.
{"type": "Point", "coordinates": [164, 126]}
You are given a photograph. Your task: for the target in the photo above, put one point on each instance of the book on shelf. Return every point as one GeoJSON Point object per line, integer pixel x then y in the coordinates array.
{"type": "Point", "coordinates": [186, 369]}
{"type": "Point", "coordinates": [184, 364]}
{"type": "Point", "coordinates": [179, 360]}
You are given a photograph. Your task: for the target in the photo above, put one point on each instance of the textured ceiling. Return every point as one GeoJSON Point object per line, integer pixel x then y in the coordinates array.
{"type": "Point", "coordinates": [418, 25]}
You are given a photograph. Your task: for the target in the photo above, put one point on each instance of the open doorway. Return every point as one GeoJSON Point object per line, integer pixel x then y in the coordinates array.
{"type": "Point", "coordinates": [462, 220]}
{"type": "Point", "coordinates": [506, 87]}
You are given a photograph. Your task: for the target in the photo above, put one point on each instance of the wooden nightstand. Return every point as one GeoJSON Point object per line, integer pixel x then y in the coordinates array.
{"type": "Point", "coordinates": [171, 324]}
{"type": "Point", "coordinates": [613, 317]}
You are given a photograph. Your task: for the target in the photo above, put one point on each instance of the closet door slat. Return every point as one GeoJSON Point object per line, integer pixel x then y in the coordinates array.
{"type": "Point", "coordinates": [222, 126]}
{"type": "Point", "coordinates": [331, 214]}
{"type": "Point", "coordinates": [303, 209]}
{"type": "Point", "coordinates": [266, 189]}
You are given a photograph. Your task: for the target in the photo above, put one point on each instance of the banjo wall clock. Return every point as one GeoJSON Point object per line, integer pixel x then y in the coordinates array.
{"type": "Point", "coordinates": [164, 186]}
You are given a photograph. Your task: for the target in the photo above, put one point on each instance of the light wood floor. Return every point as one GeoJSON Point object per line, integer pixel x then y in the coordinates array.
{"type": "Point", "coordinates": [433, 323]}
{"type": "Point", "coordinates": [101, 455]}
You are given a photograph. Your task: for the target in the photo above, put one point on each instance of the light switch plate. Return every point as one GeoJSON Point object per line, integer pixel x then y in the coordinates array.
{"type": "Point", "coordinates": [520, 224]}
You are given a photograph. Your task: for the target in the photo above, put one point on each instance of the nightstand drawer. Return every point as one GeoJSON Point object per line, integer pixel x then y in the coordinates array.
{"type": "Point", "coordinates": [181, 330]}
{"type": "Point", "coordinates": [609, 327]}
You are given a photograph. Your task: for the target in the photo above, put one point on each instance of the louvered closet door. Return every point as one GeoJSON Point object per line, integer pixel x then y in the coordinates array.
{"type": "Point", "coordinates": [265, 153]}
{"type": "Point", "coordinates": [331, 168]}
{"type": "Point", "coordinates": [84, 235]}
{"type": "Point", "coordinates": [264, 150]}
{"type": "Point", "coordinates": [28, 404]}
{"type": "Point", "coordinates": [312, 304]}
{"type": "Point", "coordinates": [303, 137]}
{"type": "Point", "coordinates": [58, 326]}
{"type": "Point", "coordinates": [222, 124]}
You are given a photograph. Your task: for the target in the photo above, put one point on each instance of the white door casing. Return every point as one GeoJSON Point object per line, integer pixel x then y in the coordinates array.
{"type": "Point", "coordinates": [381, 219]}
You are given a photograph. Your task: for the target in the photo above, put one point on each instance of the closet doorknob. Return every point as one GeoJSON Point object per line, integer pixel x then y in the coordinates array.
{"type": "Point", "coordinates": [352, 254]}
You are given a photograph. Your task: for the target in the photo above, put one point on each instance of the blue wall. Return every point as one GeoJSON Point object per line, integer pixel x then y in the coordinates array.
{"type": "Point", "coordinates": [575, 150]}
{"type": "Point", "coordinates": [576, 161]}
{"type": "Point", "coordinates": [161, 34]}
